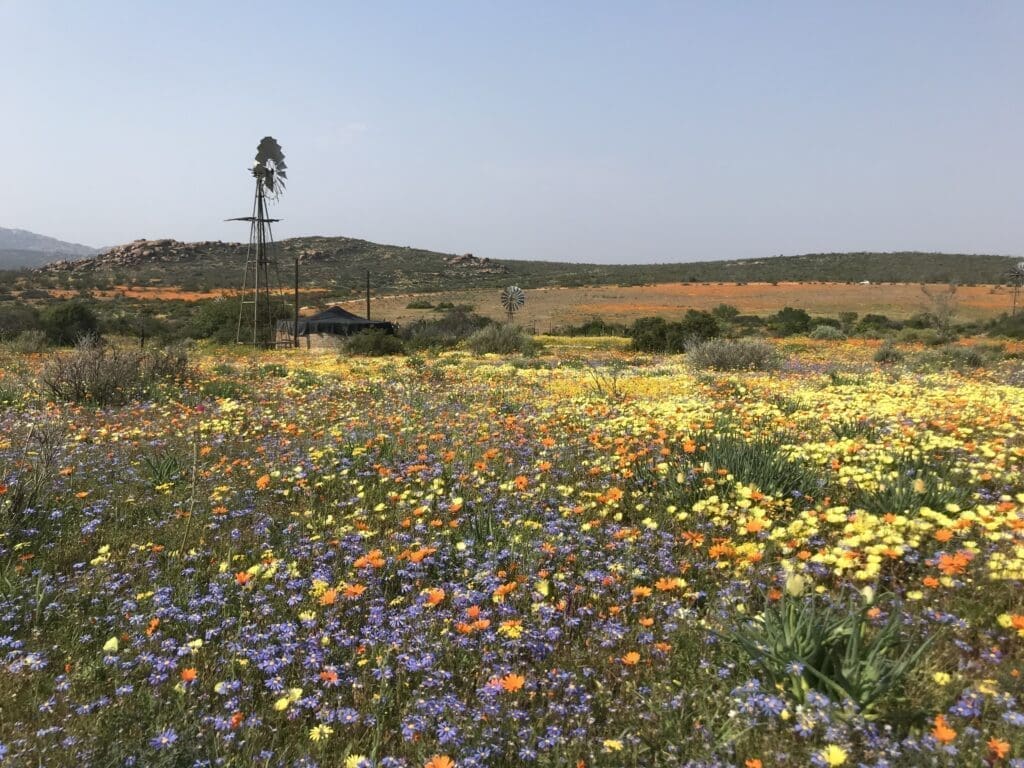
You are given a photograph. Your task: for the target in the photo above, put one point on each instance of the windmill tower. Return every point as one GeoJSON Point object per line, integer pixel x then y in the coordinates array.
{"type": "Point", "coordinates": [1016, 279]}
{"type": "Point", "coordinates": [512, 299]}
{"type": "Point", "coordinates": [270, 172]}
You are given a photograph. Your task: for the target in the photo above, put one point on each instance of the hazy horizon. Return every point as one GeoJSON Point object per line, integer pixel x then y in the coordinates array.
{"type": "Point", "coordinates": [581, 132]}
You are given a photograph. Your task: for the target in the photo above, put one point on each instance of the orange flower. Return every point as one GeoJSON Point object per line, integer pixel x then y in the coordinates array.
{"type": "Point", "coordinates": [942, 732]}
{"type": "Point", "coordinates": [666, 584]}
{"type": "Point", "coordinates": [439, 761]}
{"type": "Point", "coordinates": [328, 597]}
{"type": "Point", "coordinates": [420, 554]}
{"type": "Point", "coordinates": [329, 676]}
{"type": "Point", "coordinates": [236, 719]}
{"type": "Point", "coordinates": [352, 591]}
{"type": "Point", "coordinates": [521, 482]}
{"type": "Point", "coordinates": [639, 592]}
{"type": "Point", "coordinates": [953, 565]}
{"type": "Point", "coordinates": [943, 535]}
{"type": "Point", "coordinates": [646, 621]}
{"type": "Point", "coordinates": [631, 658]}
{"type": "Point", "coordinates": [373, 558]}
{"type": "Point", "coordinates": [435, 596]}
{"type": "Point", "coordinates": [153, 624]}
{"type": "Point", "coordinates": [753, 763]}
{"type": "Point", "coordinates": [242, 577]}
{"type": "Point", "coordinates": [263, 483]}
{"type": "Point", "coordinates": [512, 682]}
{"type": "Point", "coordinates": [188, 674]}
{"type": "Point", "coordinates": [998, 748]}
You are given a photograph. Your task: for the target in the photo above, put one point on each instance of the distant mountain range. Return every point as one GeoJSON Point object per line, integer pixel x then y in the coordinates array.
{"type": "Point", "coordinates": [21, 248]}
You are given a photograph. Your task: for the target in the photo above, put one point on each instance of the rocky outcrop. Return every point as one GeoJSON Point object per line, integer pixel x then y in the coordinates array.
{"type": "Point", "coordinates": [147, 252]}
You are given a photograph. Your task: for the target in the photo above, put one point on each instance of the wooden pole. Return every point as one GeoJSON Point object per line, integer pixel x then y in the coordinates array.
{"type": "Point", "coordinates": [367, 294]}
{"type": "Point", "coordinates": [295, 327]}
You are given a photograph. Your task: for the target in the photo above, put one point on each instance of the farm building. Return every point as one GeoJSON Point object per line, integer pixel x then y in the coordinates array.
{"type": "Point", "coordinates": [328, 329]}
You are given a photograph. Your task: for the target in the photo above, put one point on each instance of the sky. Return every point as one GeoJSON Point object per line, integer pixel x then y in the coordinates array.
{"type": "Point", "coordinates": [611, 132]}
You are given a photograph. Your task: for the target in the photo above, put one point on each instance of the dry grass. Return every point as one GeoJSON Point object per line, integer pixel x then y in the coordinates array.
{"type": "Point", "coordinates": [548, 308]}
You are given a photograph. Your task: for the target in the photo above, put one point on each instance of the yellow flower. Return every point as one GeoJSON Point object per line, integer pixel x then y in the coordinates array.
{"type": "Point", "coordinates": [612, 745]}
{"type": "Point", "coordinates": [942, 678]}
{"type": "Point", "coordinates": [320, 732]}
{"type": "Point", "coordinates": [111, 645]}
{"type": "Point", "coordinates": [282, 704]}
{"type": "Point", "coordinates": [833, 755]}
{"type": "Point", "coordinates": [795, 585]}
{"type": "Point", "coordinates": [354, 761]}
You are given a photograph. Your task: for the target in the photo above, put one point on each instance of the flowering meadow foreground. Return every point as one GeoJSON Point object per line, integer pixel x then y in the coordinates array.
{"type": "Point", "coordinates": [566, 561]}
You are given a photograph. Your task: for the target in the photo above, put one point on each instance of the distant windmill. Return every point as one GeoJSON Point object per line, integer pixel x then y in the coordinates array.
{"type": "Point", "coordinates": [1016, 279]}
{"type": "Point", "coordinates": [512, 299]}
{"type": "Point", "coordinates": [270, 173]}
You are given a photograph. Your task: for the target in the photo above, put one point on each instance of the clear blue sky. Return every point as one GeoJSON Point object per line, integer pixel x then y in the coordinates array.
{"type": "Point", "coordinates": [589, 131]}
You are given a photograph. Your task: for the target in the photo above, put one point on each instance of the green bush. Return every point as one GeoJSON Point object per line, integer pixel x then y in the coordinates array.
{"type": "Point", "coordinates": [725, 312]}
{"type": "Point", "coordinates": [16, 319]}
{"type": "Point", "coordinates": [374, 342]}
{"type": "Point", "coordinates": [501, 339]}
{"type": "Point", "coordinates": [419, 304]}
{"type": "Point", "coordinates": [1010, 326]}
{"type": "Point", "coordinates": [888, 354]}
{"type": "Point", "coordinates": [66, 322]}
{"type": "Point", "coordinates": [790, 321]}
{"type": "Point", "coordinates": [734, 355]}
{"type": "Point", "coordinates": [444, 332]}
{"type": "Point", "coordinates": [593, 327]}
{"type": "Point", "coordinates": [827, 333]}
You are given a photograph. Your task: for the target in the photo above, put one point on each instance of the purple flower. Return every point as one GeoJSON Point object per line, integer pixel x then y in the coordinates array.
{"type": "Point", "coordinates": [163, 739]}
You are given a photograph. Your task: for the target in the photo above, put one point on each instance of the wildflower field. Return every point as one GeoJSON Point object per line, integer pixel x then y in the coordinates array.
{"type": "Point", "coordinates": [583, 559]}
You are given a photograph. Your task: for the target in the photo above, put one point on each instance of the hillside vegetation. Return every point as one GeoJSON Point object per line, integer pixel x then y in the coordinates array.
{"type": "Point", "coordinates": [338, 264]}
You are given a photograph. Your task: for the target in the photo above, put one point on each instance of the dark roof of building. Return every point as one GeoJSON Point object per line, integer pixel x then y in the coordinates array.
{"type": "Point", "coordinates": [334, 320]}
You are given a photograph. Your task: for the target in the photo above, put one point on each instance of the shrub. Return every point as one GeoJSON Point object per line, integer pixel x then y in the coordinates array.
{"type": "Point", "coordinates": [102, 375]}
{"type": "Point", "coordinates": [67, 322]}
{"type": "Point", "coordinates": [789, 321]}
{"type": "Point", "coordinates": [827, 333]}
{"type": "Point", "coordinates": [734, 355]}
{"type": "Point", "coordinates": [29, 342]}
{"type": "Point", "coordinates": [444, 332]}
{"type": "Point", "coordinates": [502, 340]}
{"type": "Point", "coordinates": [888, 354]}
{"type": "Point", "coordinates": [1009, 326]}
{"type": "Point", "coordinates": [876, 324]}
{"type": "Point", "coordinates": [374, 342]}
{"type": "Point", "coordinates": [16, 319]}
{"type": "Point", "coordinates": [419, 304]}
{"type": "Point", "coordinates": [697, 326]}
{"type": "Point", "coordinates": [725, 312]}
{"type": "Point", "coordinates": [593, 327]}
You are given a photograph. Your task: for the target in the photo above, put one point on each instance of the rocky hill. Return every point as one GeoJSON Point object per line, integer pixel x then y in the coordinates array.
{"type": "Point", "coordinates": [328, 262]}
{"type": "Point", "coordinates": [339, 266]}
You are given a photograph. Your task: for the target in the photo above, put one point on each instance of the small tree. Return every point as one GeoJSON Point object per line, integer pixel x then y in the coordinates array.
{"type": "Point", "coordinates": [943, 307]}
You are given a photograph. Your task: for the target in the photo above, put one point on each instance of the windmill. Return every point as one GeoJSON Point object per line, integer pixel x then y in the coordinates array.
{"type": "Point", "coordinates": [270, 172]}
{"type": "Point", "coordinates": [1016, 279]}
{"type": "Point", "coordinates": [512, 299]}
